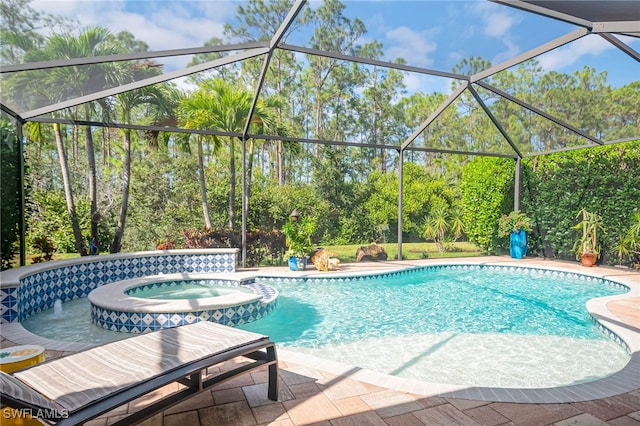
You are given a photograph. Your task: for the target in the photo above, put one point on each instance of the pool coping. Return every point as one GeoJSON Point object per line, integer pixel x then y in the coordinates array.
{"type": "Point", "coordinates": [114, 296]}
{"type": "Point", "coordinates": [624, 380]}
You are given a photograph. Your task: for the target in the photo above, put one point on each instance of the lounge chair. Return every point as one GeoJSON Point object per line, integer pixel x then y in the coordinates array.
{"type": "Point", "coordinates": [82, 386]}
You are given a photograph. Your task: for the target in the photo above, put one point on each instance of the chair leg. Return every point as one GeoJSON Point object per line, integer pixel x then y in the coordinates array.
{"type": "Point", "coordinates": [273, 374]}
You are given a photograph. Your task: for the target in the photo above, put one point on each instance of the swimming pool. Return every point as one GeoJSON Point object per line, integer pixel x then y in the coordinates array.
{"type": "Point", "coordinates": [457, 325]}
{"type": "Point", "coordinates": [432, 325]}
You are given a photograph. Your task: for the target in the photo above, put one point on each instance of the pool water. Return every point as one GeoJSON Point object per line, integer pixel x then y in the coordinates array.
{"type": "Point", "coordinates": [184, 290]}
{"type": "Point", "coordinates": [480, 327]}
{"type": "Point", "coordinates": [475, 327]}
{"type": "Point", "coordinates": [73, 324]}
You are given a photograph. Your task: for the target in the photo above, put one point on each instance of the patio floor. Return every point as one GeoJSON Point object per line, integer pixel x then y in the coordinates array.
{"type": "Point", "coordinates": [310, 395]}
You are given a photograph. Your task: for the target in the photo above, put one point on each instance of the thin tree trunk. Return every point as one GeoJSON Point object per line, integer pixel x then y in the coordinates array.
{"type": "Point", "coordinates": [232, 184]}
{"type": "Point", "coordinates": [280, 156]}
{"type": "Point", "coordinates": [93, 193]}
{"type": "Point", "coordinates": [250, 167]}
{"type": "Point", "coordinates": [116, 245]}
{"type": "Point", "coordinates": [203, 185]}
{"type": "Point", "coordinates": [71, 207]}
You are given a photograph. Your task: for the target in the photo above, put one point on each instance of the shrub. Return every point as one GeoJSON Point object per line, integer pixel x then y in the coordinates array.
{"type": "Point", "coordinates": [45, 247]}
{"type": "Point", "coordinates": [514, 221]}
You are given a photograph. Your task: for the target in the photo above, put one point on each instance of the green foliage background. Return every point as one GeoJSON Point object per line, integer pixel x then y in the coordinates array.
{"type": "Point", "coordinates": [9, 213]}
{"type": "Point", "coordinates": [179, 181]}
{"type": "Point", "coordinates": [604, 180]}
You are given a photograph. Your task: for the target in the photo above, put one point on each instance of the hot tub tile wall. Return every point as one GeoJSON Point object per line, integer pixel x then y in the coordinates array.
{"type": "Point", "coordinates": [39, 290]}
{"type": "Point", "coordinates": [127, 322]}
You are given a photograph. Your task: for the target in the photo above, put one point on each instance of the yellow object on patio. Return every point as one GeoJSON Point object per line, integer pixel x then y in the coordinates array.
{"type": "Point", "coordinates": [13, 417]}
{"type": "Point", "coordinates": [16, 358]}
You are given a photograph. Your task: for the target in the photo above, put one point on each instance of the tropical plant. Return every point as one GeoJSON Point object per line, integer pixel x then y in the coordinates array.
{"type": "Point", "coordinates": [441, 224]}
{"type": "Point", "coordinates": [298, 235]}
{"type": "Point", "coordinates": [217, 105]}
{"type": "Point", "coordinates": [45, 248]}
{"type": "Point", "coordinates": [587, 244]}
{"type": "Point", "coordinates": [629, 243]}
{"type": "Point", "coordinates": [514, 221]}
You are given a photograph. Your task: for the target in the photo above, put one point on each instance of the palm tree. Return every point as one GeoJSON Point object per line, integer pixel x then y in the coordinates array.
{"type": "Point", "coordinates": [80, 81]}
{"type": "Point", "coordinates": [217, 105]}
{"type": "Point", "coordinates": [158, 96]}
{"type": "Point", "coordinates": [443, 220]}
{"type": "Point", "coordinates": [62, 83]}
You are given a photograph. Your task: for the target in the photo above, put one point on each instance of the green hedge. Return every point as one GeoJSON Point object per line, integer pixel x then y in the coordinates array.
{"type": "Point", "coordinates": [487, 192]}
{"type": "Point", "coordinates": [604, 180]}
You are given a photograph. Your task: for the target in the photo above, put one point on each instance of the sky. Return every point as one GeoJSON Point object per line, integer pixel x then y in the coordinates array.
{"type": "Point", "coordinates": [432, 34]}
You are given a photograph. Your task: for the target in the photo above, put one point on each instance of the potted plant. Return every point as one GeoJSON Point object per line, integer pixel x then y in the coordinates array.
{"type": "Point", "coordinates": [515, 225]}
{"type": "Point", "coordinates": [298, 232]}
{"type": "Point", "coordinates": [586, 247]}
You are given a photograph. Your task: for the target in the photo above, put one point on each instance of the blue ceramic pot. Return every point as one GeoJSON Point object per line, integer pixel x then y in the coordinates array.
{"type": "Point", "coordinates": [518, 244]}
{"type": "Point", "coordinates": [297, 263]}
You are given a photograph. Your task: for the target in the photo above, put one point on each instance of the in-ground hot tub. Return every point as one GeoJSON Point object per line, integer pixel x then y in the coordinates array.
{"type": "Point", "coordinates": [151, 303]}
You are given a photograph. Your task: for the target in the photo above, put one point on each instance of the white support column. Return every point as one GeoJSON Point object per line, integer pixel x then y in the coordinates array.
{"type": "Point", "coordinates": [400, 179]}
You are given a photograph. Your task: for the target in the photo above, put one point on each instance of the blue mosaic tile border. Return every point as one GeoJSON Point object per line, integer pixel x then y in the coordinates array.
{"type": "Point", "coordinates": [39, 290]}
{"type": "Point", "coordinates": [419, 269]}
{"type": "Point", "coordinates": [9, 306]}
{"type": "Point", "coordinates": [132, 322]}
{"type": "Point", "coordinates": [610, 334]}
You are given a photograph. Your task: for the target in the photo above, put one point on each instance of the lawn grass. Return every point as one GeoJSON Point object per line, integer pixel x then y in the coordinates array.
{"type": "Point", "coordinates": [347, 253]}
{"type": "Point", "coordinates": [410, 251]}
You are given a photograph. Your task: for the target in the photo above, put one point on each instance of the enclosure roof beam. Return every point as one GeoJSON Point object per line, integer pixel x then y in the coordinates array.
{"type": "Point", "coordinates": [139, 127]}
{"type": "Point", "coordinates": [494, 120]}
{"type": "Point", "coordinates": [574, 148]}
{"type": "Point", "coordinates": [451, 151]}
{"type": "Point", "coordinates": [10, 112]}
{"type": "Point", "coordinates": [543, 48]}
{"type": "Point", "coordinates": [376, 146]}
{"type": "Point", "coordinates": [621, 45]}
{"type": "Point", "coordinates": [31, 66]}
{"type": "Point", "coordinates": [258, 136]}
{"type": "Point", "coordinates": [256, 94]}
{"type": "Point", "coordinates": [374, 62]}
{"type": "Point", "coordinates": [539, 112]}
{"type": "Point", "coordinates": [529, 7]}
{"type": "Point", "coordinates": [616, 27]}
{"type": "Point", "coordinates": [288, 20]}
{"type": "Point", "coordinates": [303, 140]}
{"type": "Point", "coordinates": [146, 82]}
{"type": "Point", "coordinates": [435, 114]}
{"type": "Point", "coordinates": [275, 40]}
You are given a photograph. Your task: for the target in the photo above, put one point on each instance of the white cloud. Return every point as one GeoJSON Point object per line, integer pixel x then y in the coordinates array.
{"type": "Point", "coordinates": [573, 52]}
{"type": "Point", "coordinates": [162, 25]}
{"type": "Point", "coordinates": [413, 46]}
{"type": "Point", "coordinates": [496, 19]}
{"type": "Point", "coordinates": [496, 23]}
{"type": "Point", "coordinates": [512, 49]}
